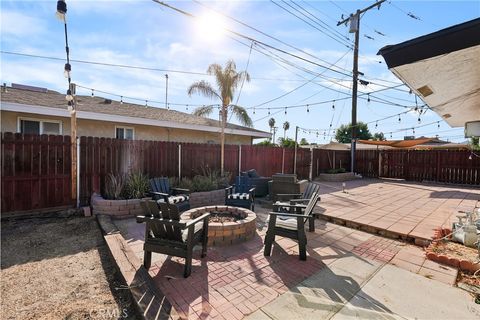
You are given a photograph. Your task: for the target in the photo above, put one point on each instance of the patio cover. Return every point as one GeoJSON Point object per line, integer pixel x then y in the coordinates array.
{"type": "Point", "coordinates": [443, 69]}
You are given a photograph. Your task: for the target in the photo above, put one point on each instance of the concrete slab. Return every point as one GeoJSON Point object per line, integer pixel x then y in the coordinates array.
{"type": "Point", "coordinates": [410, 295]}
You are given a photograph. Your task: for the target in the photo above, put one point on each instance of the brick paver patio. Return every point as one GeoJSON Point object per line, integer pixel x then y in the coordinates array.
{"type": "Point", "coordinates": [232, 282]}
{"type": "Point", "coordinates": [396, 208]}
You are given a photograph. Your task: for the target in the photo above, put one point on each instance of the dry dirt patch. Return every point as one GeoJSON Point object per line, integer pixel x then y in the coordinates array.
{"type": "Point", "coordinates": [60, 268]}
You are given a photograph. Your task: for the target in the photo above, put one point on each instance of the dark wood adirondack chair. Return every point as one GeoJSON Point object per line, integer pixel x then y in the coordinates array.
{"type": "Point", "coordinates": [241, 194]}
{"type": "Point", "coordinates": [294, 198]}
{"type": "Point", "coordinates": [165, 233]}
{"type": "Point", "coordinates": [292, 225]}
{"type": "Point", "coordinates": [162, 192]}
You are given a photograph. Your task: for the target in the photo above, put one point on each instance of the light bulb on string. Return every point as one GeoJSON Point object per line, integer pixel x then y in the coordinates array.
{"type": "Point", "coordinates": [69, 96]}
{"type": "Point", "coordinates": [391, 136]}
{"type": "Point", "coordinates": [368, 98]}
{"type": "Point", "coordinates": [67, 70]}
{"type": "Point", "coordinates": [333, 105]}
{"type": "Point", "coordinates": [285, 110]}
{"type": "Point", "coordinates": [121, 99]}
{"type": "Point", "coordinates": [186, 107]}
{"type": "Point", "coordinates": [168, 106]}
{"type": "Point", "coordinates": [93, 93]}
{"type": "Point", "coordinates": [268, 111]}
{"type": "Point", "coordinates": [146, 103]}
{"type": "Point", "coordinates": [308, 109]}
{"type": "Point", "coordinates": [413, 130]}
{"type": "Point", "coordinates": [253, 110]}
{"type": "Point", "coordinates": [376, 125]}
{"type": "Point", "coordinates": [438, 124]}
{"type": "Point", "coordinates": [419, 120]}
{"type": "Point", "coordinates": [399, 119]}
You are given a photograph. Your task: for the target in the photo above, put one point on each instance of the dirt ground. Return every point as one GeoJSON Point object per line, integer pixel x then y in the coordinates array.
{"type": "Point", "coordinates": [60, 268]}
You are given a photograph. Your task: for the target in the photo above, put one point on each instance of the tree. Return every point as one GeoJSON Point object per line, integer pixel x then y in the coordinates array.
{"type": "Point", "coordinates": [286, 142]}
{"type": "Point", "coordinates": [344, 132]}
{"type": "Point", "coordinates": [227, 80]}
{"type": "Point", "coordinates": [474, 143]}
{"type": "Point", "coordinates": [379, 136]}
{"type": "Point", "coordinates": [303, 142]}
{"type": "Point", "coordinates": [265, 143]}
{"type": "Point", "coordinates": [271, 124]}
{"type": "Point", "coordinates": [286, 126]}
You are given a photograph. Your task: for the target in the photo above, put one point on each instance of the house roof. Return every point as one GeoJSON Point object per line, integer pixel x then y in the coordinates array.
{"type": "Point", "coordinates": [443, 69]}
{"type": "Point", "coordinates": [98, 108]}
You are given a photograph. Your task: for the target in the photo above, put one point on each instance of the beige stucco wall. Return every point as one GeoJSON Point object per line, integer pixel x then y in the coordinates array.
{"type": "Point", "coordinates": [107, 129]}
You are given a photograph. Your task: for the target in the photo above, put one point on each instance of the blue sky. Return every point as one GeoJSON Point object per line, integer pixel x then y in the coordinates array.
{"type": "Point", "coordinates": [143, 33]}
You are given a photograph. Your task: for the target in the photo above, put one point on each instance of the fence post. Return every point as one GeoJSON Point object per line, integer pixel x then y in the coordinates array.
{"type": "Point", "coordinates": [310, 174]}
{"type": "Point", "coordinates": [179, 162]}
{"type": "Point", "coordinates": [239, 159]}
{"type": "Point", "coordinates": [283, 160]}
{"type": "Point", "coordinates": [78, 171]}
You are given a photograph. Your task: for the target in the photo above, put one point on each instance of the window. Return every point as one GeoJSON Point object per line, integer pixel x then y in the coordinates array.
{"type": "Point", "coordinates": [124, 133]}
{"type": "Point", "coordinates": [38, 126]}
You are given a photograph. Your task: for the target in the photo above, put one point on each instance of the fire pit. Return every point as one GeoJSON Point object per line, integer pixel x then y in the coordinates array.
{"type": "Point", "coordinates": [227, 225]}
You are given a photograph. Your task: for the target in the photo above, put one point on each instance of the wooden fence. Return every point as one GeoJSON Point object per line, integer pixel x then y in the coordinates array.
{"type": "Point", "coordinates": [35, 172]}
{"type": "Point", "coordinates": [36, 169]}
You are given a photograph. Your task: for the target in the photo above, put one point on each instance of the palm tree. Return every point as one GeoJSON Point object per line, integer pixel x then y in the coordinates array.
{"type": "Point", "coordinates": [271, 123]}
{"type": "Point", "coordinates": [227, 80]}
{"type": "Point", "coordinates": [286, 126]}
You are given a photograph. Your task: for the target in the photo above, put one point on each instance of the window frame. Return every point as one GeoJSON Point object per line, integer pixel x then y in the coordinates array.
{"type": "Point", "coordinates": [124, 128]}
{"type": "Point", "coordinates": [41, 121]}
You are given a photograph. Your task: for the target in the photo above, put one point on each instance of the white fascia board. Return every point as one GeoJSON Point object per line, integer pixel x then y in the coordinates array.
{"type": "Point", "coordinates": [49, 111]}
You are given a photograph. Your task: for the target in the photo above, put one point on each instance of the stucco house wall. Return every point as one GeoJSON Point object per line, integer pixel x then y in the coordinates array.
{"type": "Point", "coordinates": [95, 128]}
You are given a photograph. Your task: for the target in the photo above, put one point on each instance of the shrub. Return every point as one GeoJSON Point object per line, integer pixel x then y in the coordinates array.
{"type": "Point", "coordinates": [136, 186]}
{"type": "Point", "coordinates": [114, 186]}
{"type": "Point", "coordinates": [338, 170]}
{"type": "Point", "coordinates": [207, 180]}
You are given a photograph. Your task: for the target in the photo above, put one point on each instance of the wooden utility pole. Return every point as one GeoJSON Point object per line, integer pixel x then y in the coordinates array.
{"type": "Point", "coordinates": [295, 153]}
{"type": "Point", "coordinates": [354, 20]}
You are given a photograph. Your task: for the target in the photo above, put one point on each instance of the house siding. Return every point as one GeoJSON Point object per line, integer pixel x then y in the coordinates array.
{"type": "Point", "coordinates": [107, 130]}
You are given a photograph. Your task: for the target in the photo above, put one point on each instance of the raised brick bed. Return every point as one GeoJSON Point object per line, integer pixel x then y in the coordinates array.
{"type": "Point", "coordinates": [116, 208]}
{"type": "Point", "coordinates": [226, 233]}
{"type": "Point", "coordinates": [207, 198]}
{"type": "Point", "coordinates": [336, 177]}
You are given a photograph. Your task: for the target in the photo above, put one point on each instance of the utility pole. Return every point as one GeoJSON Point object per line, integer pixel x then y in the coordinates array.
{"type": "Point", "coordinates": [166, 91]}
{"type": "Point", "coordinates": [354, 20]}
{"type": "Point", "coordinates": [274, 132]}
{"type": "Point", "coordinates": [295, 153]}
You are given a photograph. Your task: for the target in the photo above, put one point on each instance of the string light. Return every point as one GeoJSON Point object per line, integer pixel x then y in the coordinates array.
{"type": "Point", "coordinates": [333, 105]}
{"type": "Point", "coordinates": [146, 103]}
{"type": "Point", "coordinates": [93, 91]}
{"type": "Point", "coordinates": [121, 99]}
{"type": "Point", "coordinates": [67, 70]}
{"type": "Point", "coordinates": [438, 124]}
{"type": "Point", "coordinates": [268, 111]}
{"type": "Point", "coordinates": [308, 109]}
{"type": "Point", "coordinates": [419, 120]}
{"type": "Point", "coordinates": [285, 110]}
{"type": "Point", "coordinates": [399, 119]}
{"type": "Point", "coordinates": [368, 98]}
{"type": "Point", "coordinates": [253, 110]}
{"type": "Point", "coordinates": [186, 107]}
{"type": "Point", "coordinates": [376, 125]}
{"type": "Point", "coordinates": [391, 136]}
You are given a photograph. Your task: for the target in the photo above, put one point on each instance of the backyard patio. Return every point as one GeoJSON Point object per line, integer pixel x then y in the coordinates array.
{"type": "Point", "coordinates": [348, 272]}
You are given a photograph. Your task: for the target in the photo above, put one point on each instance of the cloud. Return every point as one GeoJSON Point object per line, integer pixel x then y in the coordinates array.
{"type": "Point", "coordinates": [16, 24]}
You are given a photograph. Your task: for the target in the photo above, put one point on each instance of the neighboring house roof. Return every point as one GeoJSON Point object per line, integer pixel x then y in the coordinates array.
{"type": "Point", "coordinates": [443, 68]}
{"type": "Point", "coordinates": [97, 108]}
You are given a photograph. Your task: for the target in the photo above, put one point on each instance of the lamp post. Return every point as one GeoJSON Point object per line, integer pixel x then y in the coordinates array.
{"type": "Point", "coordinates": [70, 97]}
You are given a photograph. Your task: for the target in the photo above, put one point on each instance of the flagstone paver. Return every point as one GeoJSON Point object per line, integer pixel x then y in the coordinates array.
{"type": "Point", "coordinates": [401, 209]}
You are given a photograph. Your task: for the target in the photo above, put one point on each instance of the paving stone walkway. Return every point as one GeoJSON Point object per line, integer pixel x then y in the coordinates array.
{"type": "Point", "coordinates": [397, 209]}
{"type": "Point", "coordinates": [237, 281]}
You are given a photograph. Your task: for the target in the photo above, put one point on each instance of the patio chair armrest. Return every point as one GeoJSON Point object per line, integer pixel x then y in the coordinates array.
{"type": "Point", "coordinates": [159, 194]}
{"type": "Point", "coordinates": [288, 214]}
{"type": "Point", "coordinates": [228, 190]}
{"type": "Point", "coordinates": [198, 219]}
{"type": "Point", "coordinates": [165, 222]}
{"type": "Point", "coordinates": [252, 190]}
{"type": "Point", "coordinates": [293, 201]}
{"type": "Point", "coordinates": [181, 190]}
{"type": "Point", "coordinates": [289, 194]}
{"type": "Point", "coordinates": [302, 206]}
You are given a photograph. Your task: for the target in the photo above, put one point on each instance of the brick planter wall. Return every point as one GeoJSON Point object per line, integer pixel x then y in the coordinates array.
{"type": "Point", "coordinates": [335, 177]}
{"type": "Point", "coordinates": [227, 233]}
{"type": "Point", "coordinates": [116, 208]}
{"type": "Point", "coordinates": [207, 198]}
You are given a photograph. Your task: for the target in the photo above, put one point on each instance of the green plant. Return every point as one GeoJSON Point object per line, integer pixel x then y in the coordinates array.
{"type": "Point", "coordinates": [207, 180]}
{"type": "Point", "coordinates": [337, 170]}
{"type": "Point", "coordinates": [114, 186]}
{"type": "Point", "coordinates": [136, 186]}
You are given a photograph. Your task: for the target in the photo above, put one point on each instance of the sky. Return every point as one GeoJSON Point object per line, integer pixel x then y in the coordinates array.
{"type": "Point", "coordinates": [299, 60]}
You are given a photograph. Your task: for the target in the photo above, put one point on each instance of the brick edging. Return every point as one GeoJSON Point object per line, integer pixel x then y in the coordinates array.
{"type": "Point", "coordinates": [116, 208]}
{"type": "Point", "coordinates": [150, 301]}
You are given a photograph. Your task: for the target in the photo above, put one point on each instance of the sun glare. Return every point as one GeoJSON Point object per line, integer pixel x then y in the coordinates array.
{"type": "Point", "coordinates": [210, 27]}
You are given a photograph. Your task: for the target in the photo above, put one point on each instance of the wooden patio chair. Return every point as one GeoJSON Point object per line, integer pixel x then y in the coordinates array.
{"type": "Point", "coordinates": [166, 234]}
{"type": "Point", "coordinates": [162, 192]}
{"type": "Point", "coordinates": [304, 197]}
{"type": "Point", "coordinates": [292, 225]}
{"type": "Point", "coordinates": [241, 194]}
